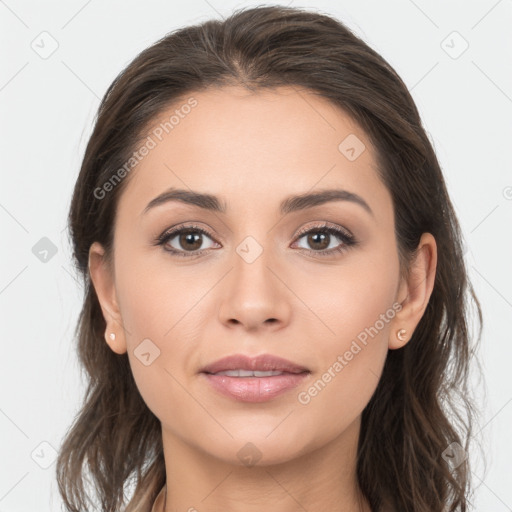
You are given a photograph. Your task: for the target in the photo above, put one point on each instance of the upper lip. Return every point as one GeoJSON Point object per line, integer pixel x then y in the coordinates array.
{"type": "Point", "coordinates": [263, 362]}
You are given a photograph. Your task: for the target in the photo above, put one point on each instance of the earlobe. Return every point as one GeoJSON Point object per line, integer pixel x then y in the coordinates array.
{"type": "Point", "coordinates": [417, 290]}
{"type": "Point", "coordinates": [102, 280]}
{"type": "Point", "coordinates": [398, 338]}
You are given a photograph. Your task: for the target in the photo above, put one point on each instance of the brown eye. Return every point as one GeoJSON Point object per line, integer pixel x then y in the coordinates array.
{"type": "Point", "coordinates": [319, 240]}
{"type": "Point", "coordinates": [181, 241]}
{"type": "Point", "coordinates": [326, 240]}
{"type": "Point", "coordinates": [190, 241]}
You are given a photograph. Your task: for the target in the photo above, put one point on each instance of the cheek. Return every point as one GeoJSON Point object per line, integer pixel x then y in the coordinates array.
{"type": "Point", "coordinates": [354, 308]}
{"type": "Point", "coordinates": [349, 368]}
{"type": "Point", "coordinates": [346, 301]}
{"type": "Point", "coordinates": [155, 295]}
{"type": "Point", "coordinates": [165, 313]}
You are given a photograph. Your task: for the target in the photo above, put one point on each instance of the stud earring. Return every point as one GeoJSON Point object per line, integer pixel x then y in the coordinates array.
{"type": "Point", "coordinates": [401, 334]}
{"type": "Point", "coordinates": [112, 336]}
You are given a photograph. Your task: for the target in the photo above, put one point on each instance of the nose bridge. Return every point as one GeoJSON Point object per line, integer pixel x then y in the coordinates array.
{"type": "Point", "coordinates": [253, 294]}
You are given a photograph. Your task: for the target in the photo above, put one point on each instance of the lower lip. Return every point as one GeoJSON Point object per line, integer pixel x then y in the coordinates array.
{"type": "Point", "coordinates": [255, 389]}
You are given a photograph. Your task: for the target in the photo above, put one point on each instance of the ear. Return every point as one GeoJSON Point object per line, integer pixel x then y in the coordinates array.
{"type": "Point", "coordinates": [414, 293]}
{"type": "Point", "coordinates": [102, 279]}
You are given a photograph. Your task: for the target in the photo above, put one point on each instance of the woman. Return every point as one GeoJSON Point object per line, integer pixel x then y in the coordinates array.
{"type": "Point", "coordinates": [275, 313]}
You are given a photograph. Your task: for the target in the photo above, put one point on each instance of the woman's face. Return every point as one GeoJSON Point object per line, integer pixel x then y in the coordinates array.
{"type": "Point", "coordinates": [257, 282]}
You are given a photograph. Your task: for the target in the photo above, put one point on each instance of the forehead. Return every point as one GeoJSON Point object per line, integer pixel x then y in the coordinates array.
{"type": "Point", "coordinates": [246, 146]}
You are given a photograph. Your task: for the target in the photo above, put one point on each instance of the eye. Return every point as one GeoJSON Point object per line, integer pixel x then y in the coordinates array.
{"type": "Point", "coordinates": [184, 239]}
{"type": "Point", "coordinates": [188, 240]}
{"type": "Point", "coordinates": [322, 239]}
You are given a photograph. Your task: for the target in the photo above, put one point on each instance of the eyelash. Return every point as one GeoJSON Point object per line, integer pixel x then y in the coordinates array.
{"type": "Point", "coordinates": [325, 228]}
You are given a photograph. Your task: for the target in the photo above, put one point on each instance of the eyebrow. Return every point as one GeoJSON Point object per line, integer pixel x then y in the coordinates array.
{"type": "Point", "coordinates": [289, 205]}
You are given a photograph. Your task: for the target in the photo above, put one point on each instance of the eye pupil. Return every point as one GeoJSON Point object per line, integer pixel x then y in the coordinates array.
{"type": "Point", "coordinates": [325, 237]}
{"type": "Point", "coordinates": [186, 238]}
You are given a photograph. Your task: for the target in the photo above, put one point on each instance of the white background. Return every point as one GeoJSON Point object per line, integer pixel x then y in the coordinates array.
{"type": "Point", "coordinates": [47, 108]}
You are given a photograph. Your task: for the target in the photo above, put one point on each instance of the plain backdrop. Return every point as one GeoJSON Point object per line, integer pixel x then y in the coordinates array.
{"type": "Point", "coordinates": [59, 57]}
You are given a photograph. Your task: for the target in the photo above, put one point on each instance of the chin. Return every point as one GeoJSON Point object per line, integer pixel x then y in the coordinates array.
{"type": "Point", "coordinates": [257, 448]}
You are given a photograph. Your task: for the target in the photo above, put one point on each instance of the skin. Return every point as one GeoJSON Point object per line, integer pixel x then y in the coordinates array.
{"type": "Point", "coordinates": [253, 151]}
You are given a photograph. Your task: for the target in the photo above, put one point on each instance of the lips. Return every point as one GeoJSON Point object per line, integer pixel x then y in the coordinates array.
{"type": "Point", "coordinates": [261, 363]}
{"type": "Point", "coordinates": [254, 389]}
{"type": "Point", "coordinates": [254, 379]}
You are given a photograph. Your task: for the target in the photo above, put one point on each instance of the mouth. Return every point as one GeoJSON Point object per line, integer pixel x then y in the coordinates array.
{"type": "Point", "coordinates": [261, 364]}
{"type": "Point", "coordinates": [258, 379]}
{"type": "Point", "coordinates": [250, 373]}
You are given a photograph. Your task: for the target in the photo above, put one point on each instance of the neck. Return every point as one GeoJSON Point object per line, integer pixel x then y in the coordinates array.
{"type": "Point", "coordinates": [321, 479]}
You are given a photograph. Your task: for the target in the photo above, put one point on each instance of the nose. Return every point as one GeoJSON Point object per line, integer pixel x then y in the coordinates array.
{"type": "Point", "coordinates": [254, 296]}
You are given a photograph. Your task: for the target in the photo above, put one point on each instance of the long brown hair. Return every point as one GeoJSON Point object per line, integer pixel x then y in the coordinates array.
{"type": "Point", "coordinates": [422, 404]}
